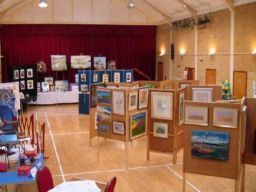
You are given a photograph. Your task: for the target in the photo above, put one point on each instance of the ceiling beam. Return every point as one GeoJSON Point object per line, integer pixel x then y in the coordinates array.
{"type": "Point", "coordinates": [230, 4]}
{"type": "Point", "coordinates": [192, 11]}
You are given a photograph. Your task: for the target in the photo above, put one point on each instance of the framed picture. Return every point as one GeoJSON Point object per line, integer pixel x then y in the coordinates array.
{"type": "Point", "coordinates": [95, 77]}
{"type": "Point", "coordinates": [80, 61]}
{"type": "Point", "coordinates": [112, 65]}
{"type": "Point", "coordinates": [76, 78]}
{"type": "Point", "coordinates": [183, 85]}
{"type": "Point", "coordinates": [128, 77]}
{"type": "Point", "coordinates": [22, 73]}
{"type": "Point", "coordinates": [118, 102]}
{"type": "Point", "coordinates": [202, 94]}
{"type": "Point", "coordinates": [16, 74]}
{"type": "Point", "coordinates": [30, 84]}
{"type": "Point", "coordinates": [133, 100]}
{"type": "Point", "coordinates": [210, 145]}
{"type": "Point", "coordinates": [100, 63]}
{"type": "Point", "coordinates": [84, 88]}
{"type": "Point", "coordinates": [118, 128]}
{"type": "Point", "coordinates": [181, 108]}
{"type": "Point", "coordinates": [225, 117]}
{"type": "Point", "coordinates": [93, 94]}
{"type": "Point", "coordinates": [103, 113]}
{"type": "Point", "coordinates": [104, 97]}
{"type": "Point", "coordinates": [138, 124]}
{"type": "Point", "coordinates": [83, 77]}
{"type": "Point", "coordinates": [22, 85]}
{"type": "Point", "coordinates": [196, 115]}
{"type": "Point", "coordinates": [49, 80]}
{"type": "Point", "coordinates": [104, 129]}
{"type": "Point", "coordinates": [116, 77]}
{"type": "Point", "coordinates": [58, 62]}
{"type": "Point", "coordinates": [30, 73]}
{"type": "Point", "coordinates": [143, 98]}
{"type": "Point", "coordinates": [105, 78]}
{"type": "Point", "coordinates": [45, 87]}
{"type": "Point", "coordinates": [160, 130]}
{"type": "Point", "coordinates": [162, 105]}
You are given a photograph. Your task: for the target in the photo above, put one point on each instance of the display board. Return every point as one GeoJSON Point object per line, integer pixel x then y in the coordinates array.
{"type": "Point", "coordinates": [177, 84]}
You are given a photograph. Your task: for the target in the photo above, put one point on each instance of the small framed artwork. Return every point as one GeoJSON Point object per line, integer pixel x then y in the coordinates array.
{"type": "Point", "coordinates": [128, 77]}
{"type": "Point", "coordinates": [225, 117]}
{"type": "Point", "coordinates": [22, 85]}
{"type": "Point", "coordinates": [104, 97]}
{"type": "Point", "coordinates": [133, 100]}
{"type": "Point", "coordinates": [105, 78]}
{"type": "Point", "coordinates": [116, 77]}
{"type": "Point", "coordinates": [99, 63]}
{"type": "Point", "coordinates": [76, 78]}
{"type": "Point", "coordinates": [104, 129]}
{"type": "Point", "coordinates": [16, 74]}
{"type": "Point", "coordinates": [118, 128]}
{"type": "Point", "coordinates": [49, 80]}
{"type": "Point", "coordinates": [160, 130]}
{"type": "Point", "coordinates": [162, 105]}
{"type": "Point", "coordinates": [138, 124]}
{"type": "Point", "coordinates": [112, 65]}
{"type": "Point", "coordinates": [84, 88]}
{"type": "Point", "coordinates": [30, 84]}
{"type": "Point", "coordinates": [22, 73]}
{"type": "Point", "coordinates": [181, 108]}
{"type": "Point", "coordinates": [118, 102]}
{"type": "Point", "coordinates": [83, 77]}
{"type": "Point", "coordinates": [103, 113]}
{"type": "Point", "coordinates": [196, 115]}
{"type": "Point", "coordinates": [143, 98]}
{"type": "Point", "coordinates": [30, 73]}
{"type": "Point", "coordinates": [202, 94]}
{"type": "Point", "coordinates": [95, 77]}
{"type": "Point", "coordinates": [45, 87]}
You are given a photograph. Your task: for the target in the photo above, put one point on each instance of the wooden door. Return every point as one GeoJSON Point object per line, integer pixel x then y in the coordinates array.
{"type": "Point", "coordinates": [239, 84]}
{"type": "Point", "coordinates": [160, 71]}
{"type": "Point", "coordinates": [191, 73]}
{"type": "Point", "coordinates": [210, 76]}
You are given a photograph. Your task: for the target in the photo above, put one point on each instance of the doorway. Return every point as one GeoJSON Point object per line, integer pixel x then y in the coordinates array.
{"type": "Point", "coordinates": [191, 73]}
{"type": "Point", "coordinates": [210, 76]}
{"type": "Point", "coordinates": [160, 71]}
{"type": "Point", "coordinates": [240, 84]}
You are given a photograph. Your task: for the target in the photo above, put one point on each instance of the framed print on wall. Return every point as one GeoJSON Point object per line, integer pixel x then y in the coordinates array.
{"type": "Point", "coordinates": [181, 108]}
{"type": "Point", "coordinates": [133, 100]}
{"type": "Point", "coordinates": [59, 62]}
{"type": "Point", "coordinates": [162, 105]}
{"type": "Point", "coordinates": [30, 84]}
{"type": "Point", "coordinates": [83, 77]}
{"type": "Point", "coordinates": [22, 73]}
{"type": "Point", "coordinates": [225, 117]}
{"type": "Point", "coordinates": [118, 128]}
{"type": "Point", "coordinates": [84, 88]}
{"type": "Point", "coordinates": [22, 85]}
{"type": "Point", "coordinates": [45, 87]}
{"type": "Point", "coordinates": [196, 115]}
{"type": "Point", "coordinates": [143, 98]}
{"type": "Point", "coordinates": [16, 74]}
{"type": "Point", "coordinates": [80, 61]}
{"type": "Point", "coordinates": [105, 78]}
{"type": "Point", "coordinates": [118, 102]}
{"type": "Point", "coordinates": [117, 77]}
{"type": "Point", "coordinates": [202, 94]}
{"type": "Point", "coordinates": [138, 124]}
{"type": "Point", "coordinates": [104, 97]}
{"type": "Point", "coordinates": [104, 129]}
{"type": "Point", "coordinates": [95, 77]}
{"type": "Point", "coordinates": [29, 73]}
{"type": "Point", "coordinates": [128, 77]}
{"type": "Point", "coordinates": [99, 63]}
{"type": "Point", "coordinates": [160, 130]}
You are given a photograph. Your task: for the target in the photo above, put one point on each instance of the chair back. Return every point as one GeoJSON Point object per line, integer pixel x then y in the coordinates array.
{"type": "Point", "coordinates": [27, 127]}
{"type": "Point", "coordinates": [111, 185]}
{"type": "Point", "coordinates": [40, 139]}
{"type": "Point", "coordinates": [44, 179]}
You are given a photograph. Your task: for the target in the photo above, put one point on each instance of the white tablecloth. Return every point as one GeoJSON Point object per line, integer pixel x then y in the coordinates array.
{"type": "Point", "coordinates": [49, 98]}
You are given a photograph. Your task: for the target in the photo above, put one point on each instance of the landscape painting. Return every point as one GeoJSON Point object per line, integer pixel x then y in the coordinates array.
{"type": "Point", "coordinates": [103, 113]}
{"type": "Point", "coordinates": [138, 124]}
{"type": "Point", "coordinates": [210, 145]}
{"type": "Point", "coordinates": [104, 97]}
{"type": "Point", "coordinates": [104, 129]}
{"type": "Point", "coordinates": [196, 115]}
{"type": "Point", "coordinates": [225, 117]}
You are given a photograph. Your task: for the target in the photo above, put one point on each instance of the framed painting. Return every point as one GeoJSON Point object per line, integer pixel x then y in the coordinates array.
{"type": "Point", "coordinates": [16, 74]}
{"type": "Point", "coordinates": [116, 77]}
{"type": "Point", "coordinates": [143, 98]}
{"type": "Point", "coordinates": [105, 78]}
{"type": "Point", "coordinates": [80, 61]}
{"type": "Point", "coordinates": [196, 115]}
{"type": "Point", "coordinates": [103, 113]}
{"type": "Point", "coordinates": [181, 108]}
{"type": "Point", "coordinates": [22, 85]}
{"type": "Point", "coordinates": [118, 128]}
{"type": "Point", "coordinates": [133, 100]}
{"type": "Point", "coordinates": [225, 117]}
{"type": "Point", "coordinates": [118, 102]}
{"type": "Point", "coordinates": [128, 77]}
{"type": "Point", "coordinates": [162, 105]}
{"type": "Point", "coordinates": [95, 77]}
{"type": "Point", "coordinates": [58, 62]}
{"type": "Point", "coordinates": [99, 63]}
{"type": "Point", "coordinates": [22, 74]}
{"type": "Point", "coordinates": [49, 80]}
{"type": "Point", "coordinates": [138, 124]}
{"type": "Point", "coordinates": [84, 88]}
{"type": "Point", "coordinates": [160, 130]}
{"type": "Point", "coordinates": [30, 73]}
{"type": "Point", "coordinates": [202, 94]}
{"type": "Point", "coordinates": [104, 97]}
{"type": "Point", "coordinates": [83, 77]}
{"type": "Point", "coordinates": [45, 87]}
{"type": "Point", "coordinates": [104, 129]}
{"type": "Point", "coordinates": [30, 84]}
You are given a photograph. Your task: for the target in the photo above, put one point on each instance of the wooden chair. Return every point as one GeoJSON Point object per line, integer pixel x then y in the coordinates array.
{"type": "Point", "coordinates": [44, 179]}
{"type": "Point", "coordinates": [111, 185]}
{"type": "Point", "coordinates": [40, 139]}
{"type": "Point", "coordinates": [26, 129]}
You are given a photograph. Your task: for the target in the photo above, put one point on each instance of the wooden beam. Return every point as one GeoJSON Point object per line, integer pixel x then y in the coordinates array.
{"type": "Point", "coordinates": [192, 11]}
{"type": "Point", "coordinates": [230, 4]}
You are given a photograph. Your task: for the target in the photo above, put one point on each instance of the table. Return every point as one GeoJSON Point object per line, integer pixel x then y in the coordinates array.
{"type": "Point", "coordinates": [8, 139]}
{"type": "Point", "coordinates": [51, 98]}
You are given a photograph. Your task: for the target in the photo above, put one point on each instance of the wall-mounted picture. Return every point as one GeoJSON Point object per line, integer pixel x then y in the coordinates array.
{"type": "Point", "coordinates": [210, 145]}
{"type": "Point", "coordinates": [128, 77]}
{"type": "Point", "coordinates": [22, 73]}
{"type": "Point", "coordinates": [105, 78]}
{"type": "Point", "coordinates": [30, 84]}
{"type": "Point", "coordinates": [133, 100]}
{"type": "Point", "coordinates": [118, 128]}
{"type": "Point", "coordinates": [202, 94]}
{"type": "Point", "coordinates": [117, 77]}
{"type": "Point", "coordinates": [76, 78]}
{"type": "Point", "coordinates": [183, 85]}
{"type": "Point", "coordinates": [104, 97]}
{"type": "Point", "coordinates": [103, 113]}
{"type": "Point", "coordinates": [112, 65]}
{"type": "Point", "coordinates": [49, 80]}
{"type": "Point", "coordinates": [196, 115]}
{"type": "Point", "coordinates": [118, 102]}
{"type": "Point", "coordinates": [16, 74]}
{"type": "Point", "coordinates": [162, 105]}
{"type": "Point", "coordinates": [100, 63]}
{"type": "Point", "coordinates": [104, 129]}
{"type": "Point", "coordinates": [80, 61]}
{"type": "Point", "coordinates": [83, 77]}
{"type": "Point", "coordinates": [29, 73]}
{"type": "Point", "coordinates": [59, 62]}
{"type": "Point", "coordinates": [160, 130]}
{"type": "Point", "coordinates": [45, 87]}
{"type": "Point", "coordinates": [84, 88]}
{"type": "Point", "coordinates": [143, 98]}
{"type": "Point", "coordinates": [138, 124]}
{"type": "Point", "coordinates": [95, 78]}
{"type": "Point", "coordinates": [22, 85]}
{"type": "Point", "coordinates": [225, 117]}
{"type": "Point", "coordinates": [181, 108]}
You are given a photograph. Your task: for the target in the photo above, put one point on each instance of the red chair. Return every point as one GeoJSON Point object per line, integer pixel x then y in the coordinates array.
{"type": "Point", "coordinates": [44, 179]}
{"type": "Point", "coordinates": [111, 185]}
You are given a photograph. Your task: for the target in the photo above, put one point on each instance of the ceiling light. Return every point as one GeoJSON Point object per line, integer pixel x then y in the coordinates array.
{"type": "Point", "coordinates": [42, 3]}
{"type": "Point", "coordinates": [131, 4]}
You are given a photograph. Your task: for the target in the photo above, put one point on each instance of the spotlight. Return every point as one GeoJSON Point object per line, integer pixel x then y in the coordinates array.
{"type": "Point", "coordinates": [42, 3]}
{"type": "Point", "coordinates": [131, 4]}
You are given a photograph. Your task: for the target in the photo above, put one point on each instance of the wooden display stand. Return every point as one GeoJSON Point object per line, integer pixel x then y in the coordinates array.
{"type": "Point", "coordinates": [156, 84]}
{"type": "Point", "coordinates": [133, 84]}
{"type": "Point", "coordinates": [232, 166]}
{"type": "Point", "coordinates": [217, 91]}
{"type": "Point", "coordinates": [177, 84]}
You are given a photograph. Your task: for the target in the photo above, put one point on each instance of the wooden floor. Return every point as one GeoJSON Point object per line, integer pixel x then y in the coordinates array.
{"type": "Point", "coordinates": [67, 146]}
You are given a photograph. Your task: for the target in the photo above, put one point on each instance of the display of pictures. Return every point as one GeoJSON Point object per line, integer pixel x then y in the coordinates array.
{"type": "Point", "coordinates": [49, 80]}
{"type": "Point", "coordinates": [83, 77]}
{"type": "Point", "coordinates": [162, 105]}
{"type": "Point", "coordinates": [58, 62]}
{"type": "Point", "coordinates": [80, 61]}
{"type": "Point", "coordinates": [112, 65]}
{"type": "Point", "coordinates": [22, 73]}
{"type": "Point", "coordinates": [117, 77]}
{"type": "Point", "coordinates": [22, 85]}
{"type": "Point", "coordinates": [104, 97]}
{"type": "Point", "coordinates": [118, 128]}
{"type": "Point", "coordinates": [183, 85]}
{"type": "Point", "coordinates": [104, 129]}
{"type": "Point", "coordinates": [225, 117]}
{"type": "Point", "coordinates": [105, 78]}
{"type": "Point", "coordinates": [99, 63]}
{"type": "Point", "coordinates": [181, 108]}
{"type": "Point", "coordinates": [45, 87]}
{"type": "Point", "coordinates": [30, 84]}
{"type": "Point", "coordinates": [118, 102]}
{"type": "Point", "coordinates": [128, 78]}
{"type": "Point", "coordinates": [133, 100]}
{"type": "Point", "coordinates": [16, 74]}
{"type": "Point", "coordinates": [103, 113]}
{"type": "Point", "coordinates": [138, 124]}
{"type": "Point", "coordinates": [202, 94]}
{"type": "Point", "coordinates": [93, 94]}
{"type": "Point", "coordinates": [143, 98]}
{"type": "Point", "coordinates": [160, 130]}
{"type": "Point", "coordinates": [29, 73]}
{"type": "Point", "coordinates": [196, 115]}
{"type": "Point", "coordinates": [84, 88]}
{"type": "Point", "coordinates": [210, 145]}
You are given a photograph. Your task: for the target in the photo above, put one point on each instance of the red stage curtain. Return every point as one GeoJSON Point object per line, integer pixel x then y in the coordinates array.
{"type": "Point", "coordinates": [130, 46]}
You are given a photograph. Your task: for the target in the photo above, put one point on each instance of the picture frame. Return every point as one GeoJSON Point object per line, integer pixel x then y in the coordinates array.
{"type": "Point", "coordinates": [162, 105]}
{"type": "Point", "coordinates": [100, 63]}
{"type": "Point", "coordinates": [49, 80]}
{"type": "Point", "coordinates": [118, 100]}
{"type": "Point", "coordinates": [22, 85]}
{"type": "Point", "coordinates": [104, 113]}
{"type": "Point", "coordinates": [143, 98]}
{"type": "Point", "coordinates": [30, 73]}
{"type": "Point", "coordinates": [105, 78]}
{"type": "Point", "coordinates": [58, 62]}
{"type": "Point", "coordinates": [30, 84]}
{"type": "Point", "coordinates": [160, 130]}
{"type": "Point", "coordinates": [202, 94]}
{"type": "Point", "coordinates": [16, 75]}
{"type": "Point", "coordinates": [84, 88]}
{"type": "Point", "coordinates": [112, 65]}
{"type": "Point", "coordinates": [117, 77]}
{"type": "Point", "coordinates": [181, 108]}
{"type": "Point", "coordinates": [128, 77]}
{"type": "Point", "coordinates": [104, 129]}
{"type": "Point", "coordinates": [225, 117]}
{"type": "Point", "coordinates": [83, 77]}
{"type": "Point", "coordinates": [132, 100]}
{"type": "Point", "coordinates": [138, 124]}
{"type": "Point", "coordinates": [104, 97]}
{"type": "Point", "coordinates": [45, 86]}
{"type": "Point", "coordinates": [95, 77]}
{"type": "Point", "coordinates": [80, 61]}
{"type": "Point", "coordinates": [118, 128]}
{"type": "Point", "coordinates": [196, 115]}
{"type": "Point", "coordinates": [22, 74]}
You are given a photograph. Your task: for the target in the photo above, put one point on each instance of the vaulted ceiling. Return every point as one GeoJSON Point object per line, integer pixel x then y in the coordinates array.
{"type": "Point", "coordinates": [108, 11]}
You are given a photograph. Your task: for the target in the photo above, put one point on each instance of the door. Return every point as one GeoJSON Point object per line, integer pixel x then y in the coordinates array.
{"type": "Point", "coordinates": [240, 84]}
{"type": "Point", "coordinates": [210, 76]}
{"type": "Point", "coordinates": [191, 73]}
{"type": "Point", "coordinates": [160, 71]}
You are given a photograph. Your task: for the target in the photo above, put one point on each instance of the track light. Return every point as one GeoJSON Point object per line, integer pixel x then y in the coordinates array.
{"type": "Point", "coordinates": [131, 4]}
{"type": "Point", "coordinates": [42, 3]}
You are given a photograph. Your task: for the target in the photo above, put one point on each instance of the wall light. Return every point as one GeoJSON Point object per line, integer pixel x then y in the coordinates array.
{"type": "Point", "coordinates": [131, 4]}
{"type": "Point", "coordinates": [162, 52]}
{"type": "Point", "coordinates": [182, 51]}
{"type": "Point", "coordinates": [212, 51]}
{"type": "Point", "coordinates": [254, 52]}
{"type": "Point", "coordinates": [42, 4]}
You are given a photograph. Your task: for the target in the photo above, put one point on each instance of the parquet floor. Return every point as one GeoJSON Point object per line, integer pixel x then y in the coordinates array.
{"type": "Point", "coordinates": [67, 146]}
